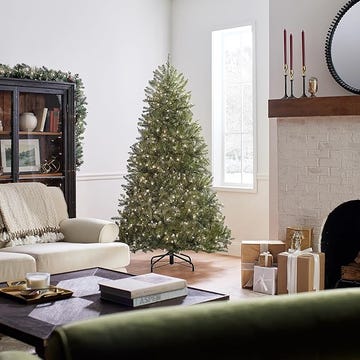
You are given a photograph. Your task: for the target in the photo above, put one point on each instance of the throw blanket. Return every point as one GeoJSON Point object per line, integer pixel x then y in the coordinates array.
{"type": "Point", "coordinates": [27, 214]}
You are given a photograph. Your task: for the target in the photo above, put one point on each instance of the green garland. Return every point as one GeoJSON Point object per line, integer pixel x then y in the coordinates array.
{"type": "Point", "coordinates": [23, 71]}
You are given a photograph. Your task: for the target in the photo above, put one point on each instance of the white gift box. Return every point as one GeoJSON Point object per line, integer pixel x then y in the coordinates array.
{"type": "Point", "coordinates": [265, 279]}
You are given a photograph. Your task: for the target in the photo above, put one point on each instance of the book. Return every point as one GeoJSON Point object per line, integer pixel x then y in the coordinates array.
{"type": "Point", "coordinates": [41, 121]}
{"type": "Point", "coordinates": [146, 299]}
{"type": "Point", "coordinates": [141, 285]}
{"type": "Point", "coordinates": [51, 121]}
{"type": "Point", "coordinates": [55, 119]}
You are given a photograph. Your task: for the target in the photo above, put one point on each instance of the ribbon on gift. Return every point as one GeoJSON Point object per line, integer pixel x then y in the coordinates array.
{"type": "Point", "coordinates": [264, 246]}
{"type": "Point", "coordinates": [316, 271]}
{"type": "Point", "coordinates": [248, 266]}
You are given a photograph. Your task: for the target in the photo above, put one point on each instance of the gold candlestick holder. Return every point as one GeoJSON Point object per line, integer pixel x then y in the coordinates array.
{"type": "Point", "coordinates": [291, 83]}
{"type": "Point", "coordinates": [313, 86]}
{"type": "Point", "coordinates": [285, 81]}
{"type": "Point", "coordinates": [303, 73]}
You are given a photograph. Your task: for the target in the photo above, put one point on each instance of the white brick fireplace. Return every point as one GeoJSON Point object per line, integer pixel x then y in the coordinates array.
{"type": "Point", "coordinates": [316, 160]}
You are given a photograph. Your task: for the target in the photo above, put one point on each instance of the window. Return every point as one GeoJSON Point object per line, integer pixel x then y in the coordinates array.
{"type": "Point", "coordinates": [233, 120]}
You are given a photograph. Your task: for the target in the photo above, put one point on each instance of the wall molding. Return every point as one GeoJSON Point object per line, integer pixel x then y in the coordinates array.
{"type": "Point", "coordinates": [100, 176]}
{"type": "Point", "coordinates": [120, 176]}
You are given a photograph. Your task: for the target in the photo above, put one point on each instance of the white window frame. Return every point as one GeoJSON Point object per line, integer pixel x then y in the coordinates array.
{"type": "Point", "coordinates": [218, 121]}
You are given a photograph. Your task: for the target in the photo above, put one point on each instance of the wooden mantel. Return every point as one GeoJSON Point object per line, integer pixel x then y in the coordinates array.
{"type": "Point", "coordinates": [314, 106]}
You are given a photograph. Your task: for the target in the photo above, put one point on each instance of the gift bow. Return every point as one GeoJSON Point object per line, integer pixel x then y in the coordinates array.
{"type": "Point", "coordinates": [292, 269]}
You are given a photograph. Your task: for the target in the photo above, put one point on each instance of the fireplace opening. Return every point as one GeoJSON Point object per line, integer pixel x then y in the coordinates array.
{"type": "Point", "coordinates": [340, 240]}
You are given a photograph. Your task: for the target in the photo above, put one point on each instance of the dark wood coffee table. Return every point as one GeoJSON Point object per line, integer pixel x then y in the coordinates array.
{"type": "Point", "coordinates": [33, 324]}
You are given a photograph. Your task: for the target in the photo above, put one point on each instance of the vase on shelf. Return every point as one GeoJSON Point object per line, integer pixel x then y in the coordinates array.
{"type": "Point", "coordinates": [27, 121]}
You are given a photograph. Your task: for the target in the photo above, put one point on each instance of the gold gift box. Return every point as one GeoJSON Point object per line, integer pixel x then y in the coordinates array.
{"type": "Point", "coordinates": [306, 241]}
{"type": "Point", "coordinates": [305, 272]}
{"type": "Point", "coordinates": [250, 252]}
{"type": "Point", "coordinates": [265, 259]}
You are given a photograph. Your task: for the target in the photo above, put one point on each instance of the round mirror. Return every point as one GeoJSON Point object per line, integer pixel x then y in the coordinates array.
{"type": "Point", "coordinates": [342, 48]}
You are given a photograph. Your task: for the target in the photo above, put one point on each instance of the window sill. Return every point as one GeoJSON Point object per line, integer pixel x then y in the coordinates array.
{"type": "Point", "coordinates": [234, 189]}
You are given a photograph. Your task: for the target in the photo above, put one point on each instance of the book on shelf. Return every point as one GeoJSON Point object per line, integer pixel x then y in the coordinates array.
{"type": "Point", "coordinates": [141, 285]}
{"type": "Point", "coordinates": [41, 120]}
{"type": "Point", "coordinates": [146, 299]}
{"type": "Point", "coordinates": [55, 119]}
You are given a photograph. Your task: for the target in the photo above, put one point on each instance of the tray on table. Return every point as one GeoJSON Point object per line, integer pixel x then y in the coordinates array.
{"type": "Point", "coordinates": [35, 296]}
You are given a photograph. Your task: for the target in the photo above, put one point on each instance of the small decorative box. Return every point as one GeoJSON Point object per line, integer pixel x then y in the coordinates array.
{"type": "Point", "coordinates": [265, 259]}
{"type": "Point", "coordinates": [265, 279]}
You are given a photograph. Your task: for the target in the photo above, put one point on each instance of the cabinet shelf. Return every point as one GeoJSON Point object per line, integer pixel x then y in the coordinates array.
{"type": "Point", "coordinates": [32, 133]}
{"type": "Point", "coordinates": [32, 176]}
{"type": "Point", "coordinates": [48, 175]}
{"type": "Point", "coordinates": [40, 133]}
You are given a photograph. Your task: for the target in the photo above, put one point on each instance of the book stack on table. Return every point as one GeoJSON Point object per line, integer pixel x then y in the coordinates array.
{"type": "Point", "coordinates": [143, 289]}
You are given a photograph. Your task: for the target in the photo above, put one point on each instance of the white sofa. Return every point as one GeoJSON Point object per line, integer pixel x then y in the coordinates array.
{"type": "Point", "coordinates": [87, 242]}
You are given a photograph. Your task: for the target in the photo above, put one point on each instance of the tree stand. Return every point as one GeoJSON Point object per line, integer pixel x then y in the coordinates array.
{"type": "Point", "coordinates": [171, 255]}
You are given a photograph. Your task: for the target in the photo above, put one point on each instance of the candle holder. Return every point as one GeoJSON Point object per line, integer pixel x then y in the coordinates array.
{"type": "Point", "coordinates": [291, 83]}
{"type": "Point", "coordinates": [313, 86]}
{"type": "Point", "coordinates": [285, 81]}
{"type": "Point", "coordinates": [303, 80]}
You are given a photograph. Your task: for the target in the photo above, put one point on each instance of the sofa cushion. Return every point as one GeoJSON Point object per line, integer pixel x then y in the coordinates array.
{"type": "Point", "coordinates": [14, 266]}
{"type": "Point", "coordinates": [88, 230]}
{"type": "Point", "coordinates": [63, 256]}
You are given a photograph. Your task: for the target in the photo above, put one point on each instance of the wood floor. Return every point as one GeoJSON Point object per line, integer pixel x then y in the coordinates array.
{"type": "Point", "coordinates": [215, 272]}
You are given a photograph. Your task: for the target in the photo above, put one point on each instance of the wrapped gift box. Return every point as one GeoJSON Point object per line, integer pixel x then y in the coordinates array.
{"type": "Point", "coordinates": [265, 279]}
{"type": "Point", "coordinates": [307, 236]}
{"type": "Point", "coordinates": [265, 259]}
{"type": "Point", "coordinates": [305, 271]}
{"type": "Point", "coordinates": [250, 252]}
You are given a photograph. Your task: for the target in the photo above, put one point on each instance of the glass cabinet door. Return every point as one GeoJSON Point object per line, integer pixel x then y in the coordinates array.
{"type": "Point", "coordinates": [6, 123]}
{"type": "Point", "coordinates": [31, 136]}
{"type": "Point", "coordinates": [40, 137]}
{"type": "Point", "coordinates": [37, 134]}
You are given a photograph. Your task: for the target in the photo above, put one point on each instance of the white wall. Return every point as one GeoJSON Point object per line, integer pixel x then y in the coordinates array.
{"type": "Point", "coordinates": [114, 46]}
{"type": "Point", "coordinates": [315, 18]}
{"type": "Point", "coordinates": [192, 23]}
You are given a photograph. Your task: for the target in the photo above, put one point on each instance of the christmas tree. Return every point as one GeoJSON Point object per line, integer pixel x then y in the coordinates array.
{"type": "Point", "coordinates": [168, 202]}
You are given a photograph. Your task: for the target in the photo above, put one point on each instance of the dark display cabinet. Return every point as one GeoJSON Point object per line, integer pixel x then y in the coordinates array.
{"type": "Point", "coordinates": [37, 140]}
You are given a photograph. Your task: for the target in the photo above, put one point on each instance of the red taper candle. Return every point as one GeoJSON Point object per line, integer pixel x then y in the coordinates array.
{"type": "Point", "coordinates": [285, 60]}
{"type": "Point", "coordinates": [303, 47]}
{"type": "Point", "coordinates": [291, 52]}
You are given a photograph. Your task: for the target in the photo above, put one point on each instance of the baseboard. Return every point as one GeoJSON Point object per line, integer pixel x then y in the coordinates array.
{"type": "Point", "coordinates": [234, 249]}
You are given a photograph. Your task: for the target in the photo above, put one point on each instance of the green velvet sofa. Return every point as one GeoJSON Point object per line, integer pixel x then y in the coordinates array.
{"type": "Point", "coordinates": [316, 325]}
